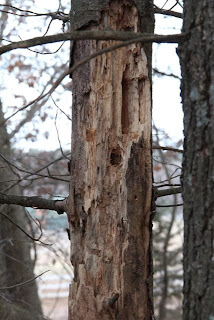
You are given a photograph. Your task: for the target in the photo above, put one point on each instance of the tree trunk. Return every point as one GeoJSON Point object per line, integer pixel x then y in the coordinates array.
{"type": "Point", "coordinates": [21, 302]}
{"type": "Point", "coordinates": [111, 167]}
{"type": "Point", "coordinates": [197, 62]}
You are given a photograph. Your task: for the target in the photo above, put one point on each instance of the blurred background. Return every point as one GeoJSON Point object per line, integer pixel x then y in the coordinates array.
{"type": "Point", "coordinates": [35, 147]}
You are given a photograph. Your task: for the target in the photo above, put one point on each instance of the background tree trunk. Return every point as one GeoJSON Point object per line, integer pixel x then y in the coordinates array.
{"type": "Point", "coordinates": [197, 62]}
{"type": "Point", "coordinates": [111, 167]}
{"type": "Point", "coordinates": [16, 265]}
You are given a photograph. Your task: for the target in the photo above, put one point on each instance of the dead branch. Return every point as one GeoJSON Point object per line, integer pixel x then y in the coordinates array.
{"type": "Point", "coordinates": [22, 230]}
{"type": "Point", "coordinates": [161, 73]}
{"type": "Point", "coordinates": [172, 177]}
{"type": "Point", "coordinates": [83, 61]}
{"type": "Point", "coordinates": [34, 173]}
{"type": "Point", "coordinates": [170, 205]}
{"type": "Point", "coordinates": [168, 192]}
{"type": "Point", "coordinates": [168, 185]}
{"type": "Point", "coordinates": [168, 12]}
{"type": "Point", "coordinates": [60, 206]}
{"type": "Point", "coordinates": [23, 283]}
{"type": "Point", "coordinates": [93, 35]}
{"type": "Point", "coordinates": [168, 149]}
{"type": "Point", "coordinates": [49, 176]}
{"type": "Point", "coordinates": [41, 96]}
{"type": "Point", "coordinates": [56, 15]}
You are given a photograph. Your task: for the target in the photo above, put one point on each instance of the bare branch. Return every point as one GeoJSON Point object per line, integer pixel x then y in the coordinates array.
{"type": "Point", "coordinates": [59, 15]}
{"type": "Point", "coordinates": [168, 12]}
{"type": "Point", "coordinates": [167, 164]}
{"type": "Point", "coordinates": [168, 149]}
{"type": "Point", "coordinates": [29, 116]}
{"type": "Point", "coordinates": [60, 206]}
{"type": "Point", "coordinates": [168, 185]}
{"type": "Point", "coordinates": [94, 35]}
{"type": "Point", "coordinates": [34, 173]}
{"type": "Point", "coordinates": [69, 71]}
{"type": "Point", "coordinates": [170, 205]}
{"type": "Point", "coordinates": [3, 19]}
{"type": "Point", "coordinates": [167, 179]}
{"type": "Point", "coordinates": [23, 283]}
{"type": "Point", "coordinates": [41, 96]}
{"type": "Point", "coordinates": [12, 165]}
{"type": "Point", "coordinates": [22, 230]}
{"type": "Point", "coordinates": [167, 192]}
{"type": "Point", "coordinates": [161, 73]}
{"type": "Point", "coordinates": [58, 137]}
{"type": "Point", "coordinates": [60, 109]}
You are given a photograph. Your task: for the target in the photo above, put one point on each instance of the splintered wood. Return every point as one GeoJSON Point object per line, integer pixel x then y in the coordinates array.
{"type": "Point", "coordinates": [111, 179]}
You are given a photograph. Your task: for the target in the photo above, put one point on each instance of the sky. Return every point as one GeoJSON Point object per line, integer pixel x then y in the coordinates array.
{"type": "Point", "coordinates": [167, 109]}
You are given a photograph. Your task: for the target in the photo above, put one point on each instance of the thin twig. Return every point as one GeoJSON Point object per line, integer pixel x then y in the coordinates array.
{"type": "Point", "coordinates": [22, 230]}
{"type": "Point", "coordinates": [167, 179]}
{"type": "Point", "coordinates": [10, 164]}
{"type": "Point", "coordinates": [23, 283]}
{"type": "Point", "coordinates": [34, 173]}
{"type": "Point", "coordinates": [161, 73]}
{"type": "Point", "coordinates": [60, 108]}
{"type": "Point", "coordinates": [170, 205]}
{"type": "Point", "coordinates": [168, 149]}
{"type": "Point", "coordinates": [58, 137]}
{"type": "Point", "coordinates": [168, 12]}
{"type": "Point", "coordinates": [83, 61]}
{"type": "Point", "coordinates": [60, 15]}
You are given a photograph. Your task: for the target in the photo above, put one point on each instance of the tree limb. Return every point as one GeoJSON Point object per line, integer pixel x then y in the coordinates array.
{"type": "Point", "coordinates": [23, 283]}
{"type": "Point", "coordinates": [60, 206]}
{"type": "Point", "coordinates": [161, 73]}
{"type": "Point", "coordinates": [167, 192]}
{"type": "Point", "coordinates": [168, 149]}
{"type": "Point", "coordinates": [34, 173]}
{"type": "Point", "coordinates": [22, 230]}
{"type": "Point", "coordinates": [168, 12]}
{"type": "Point", "coordinates": [93, 35]}
{"type": "Point", "coordinates": [83, 61]}
{"type": "Point", "coordinates": [12, 165]}
{"type": "Point", "coordinates": [170, 205]}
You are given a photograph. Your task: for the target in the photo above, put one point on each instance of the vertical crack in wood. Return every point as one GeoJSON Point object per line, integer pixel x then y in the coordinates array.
{"type": "Point", "coordinates": [111, 125]}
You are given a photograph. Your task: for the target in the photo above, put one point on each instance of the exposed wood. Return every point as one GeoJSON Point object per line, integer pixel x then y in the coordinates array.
{"type": "Point", "coordinates": [111, 177]}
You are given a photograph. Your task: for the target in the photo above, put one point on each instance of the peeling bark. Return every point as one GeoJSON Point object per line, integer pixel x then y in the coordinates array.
{"type": "Point", "coordinates": [111, 176]}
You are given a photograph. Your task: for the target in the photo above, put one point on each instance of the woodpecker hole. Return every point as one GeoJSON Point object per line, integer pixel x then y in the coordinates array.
{"type": "Point", "coordinates": [125, 109]}
{"type": "Point", "coordinates": [115, 158]}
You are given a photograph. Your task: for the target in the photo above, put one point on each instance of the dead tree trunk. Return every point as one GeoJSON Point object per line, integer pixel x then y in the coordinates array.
{"type": "Point", "coordinates": [111, 167]}
{"type": "Point", "coordinates": [197, 62]}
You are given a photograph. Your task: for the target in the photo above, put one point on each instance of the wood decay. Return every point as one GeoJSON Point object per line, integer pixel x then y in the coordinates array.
{"type": "Point", "coordinates": [111, 176]}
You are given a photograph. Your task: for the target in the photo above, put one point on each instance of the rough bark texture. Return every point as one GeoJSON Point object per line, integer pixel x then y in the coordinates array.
{"type": "Point", "coordinates": [15, 261]}
{"type": "Point", "coordinates": [197, 62]}
{"type": "Point", "coordinates": [111, 174]}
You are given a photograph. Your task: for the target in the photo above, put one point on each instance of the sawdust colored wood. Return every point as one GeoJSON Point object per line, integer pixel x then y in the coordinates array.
{"type": "Point", "coordinates": [111, 176]}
